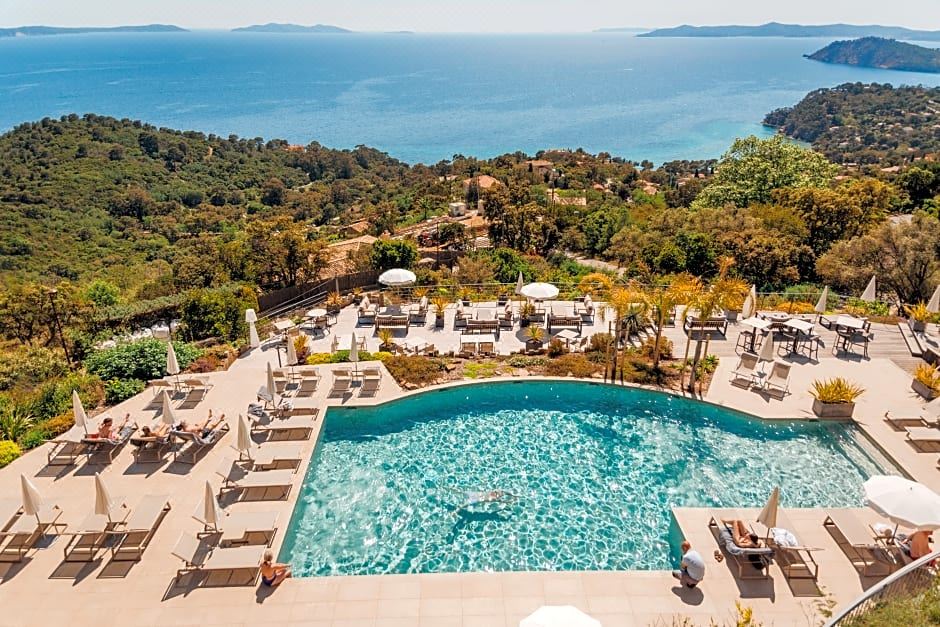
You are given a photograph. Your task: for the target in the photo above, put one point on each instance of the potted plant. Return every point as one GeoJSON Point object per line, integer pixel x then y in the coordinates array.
{"type": "Point", "coordinates": [926, 381]}
{"type": "Point", "coordinates": [834, 398]}
{"type": "Point", "coordinates": [464, 294]}
{"type": "Point", "coordinates": [917, 317]}
{"type": "Point", "coordinates": [385, 339]}
{"type": "Point", "coordinates": [334, 302]}
{"type": "Point", "coordinates": [733, 307]}
{"type": "Point", "coordinates": [534, 343]}
{"type": "Point", "coordinates": [357, 296]}
{"type": "Point", "coordinates": [439, 303]}
{"type": "Point", "coordinates": [526, 309]}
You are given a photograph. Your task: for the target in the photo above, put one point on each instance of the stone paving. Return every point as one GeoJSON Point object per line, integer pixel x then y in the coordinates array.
{"type": "Point", "coordinates": [44, 590]}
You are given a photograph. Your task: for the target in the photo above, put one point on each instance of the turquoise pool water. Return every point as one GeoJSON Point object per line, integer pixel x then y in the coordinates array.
{"type": "Point", "coordinates": [593, 471]}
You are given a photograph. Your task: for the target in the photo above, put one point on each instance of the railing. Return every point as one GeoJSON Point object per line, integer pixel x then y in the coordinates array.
{"type": "Point", "coordinates": [911, 580]}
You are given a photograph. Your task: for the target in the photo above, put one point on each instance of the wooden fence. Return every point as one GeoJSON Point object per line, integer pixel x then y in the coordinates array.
{"type": "Point", "coordinates": [343, 283]}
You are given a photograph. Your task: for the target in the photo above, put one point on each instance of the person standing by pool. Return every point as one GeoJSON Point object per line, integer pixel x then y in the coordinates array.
{"type": "Point", "coordinates": [692, 567]}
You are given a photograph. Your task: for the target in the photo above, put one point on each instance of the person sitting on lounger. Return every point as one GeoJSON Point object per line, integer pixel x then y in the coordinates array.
{"type": "Point", "coordinates": [107, 430]}
{"type": "Point", "coordinates": [742, 535]}
{"type": "Point", "coordinates": [915, 545]}
{"type": "Point", "coordinates": [273, 573]}
{"type": "Point", "coordinates": [159, 432]}
{"type": "Point", "coordinates": [201, 430]}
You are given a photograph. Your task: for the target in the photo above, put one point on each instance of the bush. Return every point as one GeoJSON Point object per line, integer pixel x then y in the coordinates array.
{"type": "Point", "coordinates": [340, 357]}
{"type": "Point", "coordinates": [217, 312]}
{"type": "Point", "coordinates": [27, 364]}
{"type": "Point", "coordinates": [525, 361]}
{"type": "Point", "coordinates": [556, 348]}
{"type": "Point", "coordinates": [837, 390]}
{"type": "Point", "coordinates": [118, 390]}
{"type": "Point", "coordinates": [574, 363]}
{"type": "Point", "coordinates": [143, 359]}
{"type": "Point", "coordinates": [600, 342]}
{"type": "Point", "coordinates": [859, 307]}
{"type": "Point", "coordinates": [8, 452]}
{"type": "Point", "coordinates": [665, 347]}
{"type": "Point", "coordinates": [55, 397]}
{"type": "Point", "coordinates": [47, 429]}
{"type": "Point", "coordinates": [414, 369]}
{"type": "Point", "coordinates": [15, 420]}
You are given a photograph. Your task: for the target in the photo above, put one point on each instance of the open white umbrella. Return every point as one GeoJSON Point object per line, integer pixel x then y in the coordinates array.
{"type": "Point", "coordinates": [907, 503]}
{"type": "Point", "coordinates": [933, 305]}
{"type": "Point", "coordinates": [396, 277]}
{"type": "Point", "coordinates": [768, 515]}
{"type": "Point", "coordinates": [291, 352]}
{"type": "Point", "coordinates": [767, 350]}
{"type": "Point", "coordinates": [354, 352]}
{"type": "Point", "coordinates": [559, 616]}
{"type": "Point", "coordinates": [251, 317]}
{"type": "Point", "coordinates": [81, 418]}
{"type": "Point", "coordinates": [823, 301]}
{"type": "Point", "coordinates": [519, 284]}
{"type": "Point", "coordinates": [211, 510]}
{"type": "Point", "coordinates": [244, 442]}
{"type": "Point", "coordinates": [272, 390]}
{"type": "Point", "coordinates": [167, 416]}
{"type": "Point", "coordinates": [539, 291]}
{"type": "Point", "coordinates": [869, 294]}
{"type": "Point", "coordinates": [103, 501]}
{"type": "Point", "coordinates": [32, 500]}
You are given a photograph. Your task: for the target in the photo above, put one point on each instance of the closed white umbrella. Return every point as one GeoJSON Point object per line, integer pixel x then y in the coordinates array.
{"type": "Point", "coordinates": [519, 284]}
{"type": "Point", "coordinates": [354, 352]}
{"type": "Point", "coordinates": [869, 294]}
{"type": "Point", "coordinates": [754, 297]}
{"type": "Point", "coordinates": [244, 442]}
{"type": "Point", "coordinates": [933, 305]}
{"type": "Point", "coordinates": [81, 418]}
{"type": "Point", "coordinates": [167, 416]}
{"type": "Point", "coordinates": [272, 390]}
{"type": "Point", "coordinates": [768, 515]}
{"type": "Point", "coordinates": [103, 501]}
{"type": "Point", "coordinates": [539, 291]}
{"type": "Point", "coordinates": [767, 350]}
{"type": "Point", "coordinates": [291, 352]}
{"type": "Point", "coordinates": [559, 616]}
{"type": "Point", "coordinates": [907, 503]}
{"type": "Point", "coordinates": [397, 276]}
{"type": "Point", "coordinates": [823, 301]}
{"type": "Point", "coordinates": [211, 510]}
{"type": "Point", "coordinates": [251, 317]}
{"type": "Point", "coordinates": [32, 500]}
{"type": "Point", "coordinates": [172, 366]}
{"type": "Point", "coordinates": [747, 309]}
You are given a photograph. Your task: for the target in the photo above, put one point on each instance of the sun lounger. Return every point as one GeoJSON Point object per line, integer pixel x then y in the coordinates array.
{"type": "Point", "coordinates": [159, 385]}
{"type": "Point", "coordinates": [370, 384]}
{"type": "Point", "coordinates": [796, 562]}
{"type": "Point", "coordinates": [858, 544]}
{"type": "Point", "coordinates": [308, 386]}
{"type": "Point", "coordinates": [901, 423]}
{"type": "Point", "coordinates": [197, 558]}
{"type": "Point", "coordinates": [23, 534]}
{"type": "Point", "coordinates": [296, 427]}
{"type": "Point", "coordinates": [924, 438]}
{"type": "Point", "coordinates": [91, 535]}
{"type": "Point", "coordinates": [194, 444]}
{"type": "Point", "coordinates": [237, 479]}
{"type": "Point", "coordinates": [9, 510]}
{"type": "Point", "coordinates": [341, 384]}
{"type": "Point", "coordinates": [151, 448]}
{"type": "Point", "coordinates": [67, 447]}
{"type": "Point", "coordinates": [779, 378]}
{"type": "Point", "coordinates": [745, 372]}
{"type": "Point", "coordinates": [104, 449]}
{"type": "Point", "coordinates": [242, 527]}
{"type": "Point", "coordinates": [140, 527]}
{"type": "Point", "coordinates": [275, 455]}
{"type": "Point", "coordinates": [750, 563]}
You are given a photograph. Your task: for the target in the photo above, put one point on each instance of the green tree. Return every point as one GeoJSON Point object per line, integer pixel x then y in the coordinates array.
{"type": "Point", "coordinates": [753, 168]}
{"type": "Point", "coordinates": [102, 293]}
{"type": "Point", "coordinates": [394, 253]}
{"type": "Point", "coordinates": [280, 252]}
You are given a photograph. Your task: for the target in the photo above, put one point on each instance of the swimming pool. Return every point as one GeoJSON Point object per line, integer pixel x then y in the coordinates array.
{"type": "Point", "coordinates": [590, 473]}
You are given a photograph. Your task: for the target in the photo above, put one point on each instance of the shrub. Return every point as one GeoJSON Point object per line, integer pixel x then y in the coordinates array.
{"type": "Point", "coordinates": [859, 307]}
{"type": "Point", "coordinates": [102, 293]}
{"type": "Point", "coordinates": [918, 312]}
{"type": "Point", "coordinates": [47, 429]}
{"type": "Point", "coordinates": [480, 369]}
{"type": "Point", "coordinates": [837, 390]}
{"type": "Point", "coordinates": [118, 390]}
{"type": "Point", "coordinates": [576, 364]}
{"type": "Point", "coordinates": [8, 452]}
{"type": "Point", "coordinates": [55, 397]}
{"type": "Point", "coordinates": [143, 359]}
{"type": "Point", "coordinates": [600, 342]}
{"type": "Point", "coordinates": [217, 312]}
{"type": "Point", "coordinates": [556, 348]}
{"type": "Point", "coordinates": [28, 364]}
{"type": "Point", "coordinates": [319, 358]}
{"type": "Point", "coordinates": [300, 347]}
{"type": "Point", "coordinates": [15, 420]}
{"type": "Point", "coordinates": [525, 361]}
{"type": "Point", "coordinates": [665, 347]}
{"type": "Point", "coordinates": [414, 369]}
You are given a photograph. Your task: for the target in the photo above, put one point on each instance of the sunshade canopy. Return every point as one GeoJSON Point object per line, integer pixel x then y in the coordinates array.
{"type": "Point", "coordinates": [397, 276]}
{"type": "Point", "coordinates": [906, 503]}
{"type": "Point", "coordinates": [540, 291]}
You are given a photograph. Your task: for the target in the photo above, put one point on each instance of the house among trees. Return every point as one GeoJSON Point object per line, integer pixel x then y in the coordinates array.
{"type": "Point", "coordinates": [357, 228]}
{"type": "Point", "coordinates": [341, 256]}
{"type": "Point", "coordinates": [540, 166]}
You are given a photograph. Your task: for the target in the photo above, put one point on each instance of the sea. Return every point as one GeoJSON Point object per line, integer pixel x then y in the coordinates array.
{"type": "Point", "coordinates": [428, 97]}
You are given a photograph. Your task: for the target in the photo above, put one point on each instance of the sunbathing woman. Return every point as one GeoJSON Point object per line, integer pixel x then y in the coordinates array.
{"type": "Point", "coordinates": [273, 573]}
{"type": "Point", "coordinates": [202, 430]}
{"type": "Point", "coordinates": [742, 535]}
{"type": "Point", "coordinates": [107, 431]}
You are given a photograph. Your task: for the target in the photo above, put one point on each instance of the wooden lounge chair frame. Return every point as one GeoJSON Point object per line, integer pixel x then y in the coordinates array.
{"type": "Point", "coordinates": [84, 545]}
{"type": "Point", "coordinates": [901, 423]}
{"type": "Point", "coordinates": [140, 527]}
{"type": "Point", "coordinates": [243, 558]}
{"type": "Point", "coordinates": [925, 439]}
{"type": "Point", "coordinates": [100, 447]}
{"type": "Point", "coordinates": [17, 541]}
{"type": "Point", "coordinates": [796, 562]}
{"type": "Point", "coordinates": [254, 480]}
{"type": "Point", "coordinates": [193, 446]}
{"type": "Point", "coordinates": [862, 554]}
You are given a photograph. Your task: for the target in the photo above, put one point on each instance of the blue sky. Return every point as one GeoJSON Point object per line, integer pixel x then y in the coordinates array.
{"type": "Point", "coordinates": [467, 15]}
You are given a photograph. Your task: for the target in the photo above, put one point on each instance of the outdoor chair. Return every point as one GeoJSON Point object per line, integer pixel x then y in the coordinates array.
{"type": "Point", "coordinates": [308, 386]}
{"type": "Point", "coordinates": [461, 316]}
{"type": "Point", "coordinates": [420, 315]}
{"type": "Point", "coordinates": [506, 317]}
{"type": "Point", "coordinates": [745, 373]}
{"type": "Point", "coordinates": [198, 558]}
{"type": "Point", "coordinates": [194, 444]}
{"type": "Point", "coordinates": [10, 509]}
{"type": "Point", "coordinates": [274, 455]}
{"type": "Point", "coordinates": [750, 563]}
{"type": "Point", "coordinates": [159, 385]}
{"type": "Point", "coordinates": [744, 341]}
{"type": "Point", "coordinates": [105, 449]}
{"type": "Point", "coordinates": [151, 449]}
{"type": "Point", "coordinates": [341, 384]}
{"type": "Point", "coordinates": [924, 439]}
{"type": "Point", "coordinates": [241, 527]}
{"type": "Point", "coordinates": [237, 479]}
{"type": "Point", "coordinates": [23, 534]}
{"type": "Point", "coordinates": [286, 428]}
{"type": "Point", "coordinates": [796, 562]}
{"type": "Point", "coordinates": [67, 447]}
{"type": "Point", "coordinates": [93, 532]}
{"type": "Point", "coordinates": [586, 310]}
{"type": "Point", "coordinates": [901, 423]}
{"type": "Point", "coordinates": [139, 528]}
{"type": "Point", "coordinates": [858, 544]}
{"type": "Point", "coordinates": [779, 378]}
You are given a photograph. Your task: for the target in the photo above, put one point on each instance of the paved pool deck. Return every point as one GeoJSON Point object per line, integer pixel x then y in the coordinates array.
{"type": "Point", "coordinates": [46, 591]}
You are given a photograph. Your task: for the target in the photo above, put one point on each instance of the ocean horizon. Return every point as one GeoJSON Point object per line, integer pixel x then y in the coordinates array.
{"type": "Point", "coordinates": [427, 97]}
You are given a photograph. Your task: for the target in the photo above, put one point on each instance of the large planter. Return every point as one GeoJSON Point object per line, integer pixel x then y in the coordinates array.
{"type": "Point", "coordinates": [439, 321]}
{"type": "Point", "coordinates": [833, 410]}
{"type": "Point", "coordinates": [923, 390]}
{"type": "Point", "coordinates": [533, 345]}
{"type": "Point", "coordinates": [917, 326]}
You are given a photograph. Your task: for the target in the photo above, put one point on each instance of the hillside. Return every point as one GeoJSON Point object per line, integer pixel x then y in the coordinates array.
{"type": "Point", "coordinates": [33, 31]}
{"type": "Point", "coordinates": [775, 29]}
{"type": "Point", "coordinates": [290, 28]}
{"type": "Point", "coordinates": [865, 123]}
{"type": "Point", "coordinates": [876, 52]}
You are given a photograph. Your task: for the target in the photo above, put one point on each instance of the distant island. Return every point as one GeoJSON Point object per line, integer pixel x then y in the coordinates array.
{"type": "Point", "coordinates": [877, 52]}
{"type": "Point", "coordinates": [290, 28]}
{"type": "Point", "coordinates": [35, 31]}
{"type": "Point", "coordinates": [775, 29]}
{"type": "Point", "coordinates": [622, 29]}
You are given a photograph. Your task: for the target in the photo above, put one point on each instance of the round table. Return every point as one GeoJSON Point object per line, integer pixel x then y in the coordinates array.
{"type": "Point", "coordinates": [777, 316]}
{"type": "Point", "coordinates": [316, 313]}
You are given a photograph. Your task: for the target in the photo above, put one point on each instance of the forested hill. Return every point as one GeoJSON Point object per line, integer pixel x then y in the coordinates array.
{"type": "Point", "coordinates": [876, 52]}
{"type": "Point", "coordinates": [865, 123]}
{"type": "Point", "coordinates": [80, 196]}
{"type": "Point", "coordinates": [775, 29]}
{"type": "Point", "coordinates": [32, 31]}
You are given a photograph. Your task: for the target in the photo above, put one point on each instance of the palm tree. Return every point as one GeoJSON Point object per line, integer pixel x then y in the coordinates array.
{"type": "Point", "coordinates": [629, 304]}
{"type": "Point", "coordinates": [663, 299]}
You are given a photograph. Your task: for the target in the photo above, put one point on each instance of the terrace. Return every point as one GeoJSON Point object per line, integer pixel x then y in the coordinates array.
{"type": "Point", "coordinates": [105, 591]}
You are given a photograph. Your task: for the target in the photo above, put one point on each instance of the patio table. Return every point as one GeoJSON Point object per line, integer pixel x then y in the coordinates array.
{"type": "Point", "coordinates": [568, 335]}
{"type": "Point", "coordinates": [758, 324]}
{"type": "Point", "coordinates": [850, 322]}
{"type": "Point", "coordinates": [800, 326]}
